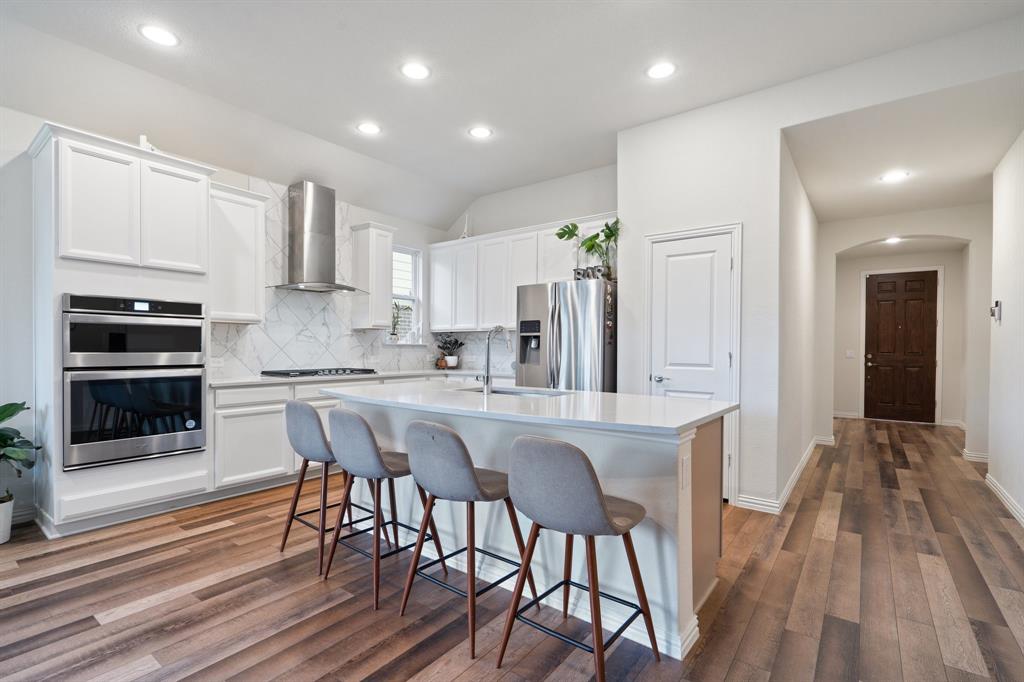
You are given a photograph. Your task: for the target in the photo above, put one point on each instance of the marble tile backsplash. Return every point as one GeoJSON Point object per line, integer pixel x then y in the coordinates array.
{"type": "Point", "coordinates": [305, 329]}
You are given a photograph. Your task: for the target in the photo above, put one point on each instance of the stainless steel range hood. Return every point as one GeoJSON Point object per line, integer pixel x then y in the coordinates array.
{"type": "Point", "coordinates": [311, 265]}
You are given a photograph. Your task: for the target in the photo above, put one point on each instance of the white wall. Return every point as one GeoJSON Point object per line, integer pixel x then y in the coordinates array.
{"type": "Point", "coordinates": [16, 348]}
{"type": "Point", "coordinates": [849, 325]}
{"type": "Point", "coordinates": [971, 223]}
{"type": "Point", "coordinates": [1006, 423]}
{"type": "Point", "coordinates": [798, 233]}
{"type": "Point", "coordinates": [565, 198]}
{"type": "Point", "coordinates": [720, 164]}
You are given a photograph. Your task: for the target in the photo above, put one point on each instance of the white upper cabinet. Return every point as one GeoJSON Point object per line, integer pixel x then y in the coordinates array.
{"type": "Point", "coordinates": [493, 278]}
{"type": "Point", "coordinates": [175, 218]}
{"type": "Point", "coordinates": [99, 203]}
{"type": "Point", "coordinates": [237, 236]}
{"type": "Point", "coordinates": [465, 286]}
{"type": "Point", "coordinates": [371, 271]}
{"type": "Point", "coordinates": [118, 203]}
{"type": "Point", "coordinates": [522, 269]}
{"type": "Point", "coordinates": [442, 292]}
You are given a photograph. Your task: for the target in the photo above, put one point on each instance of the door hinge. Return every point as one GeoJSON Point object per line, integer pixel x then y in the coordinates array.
{"type": "Point", "coordinates": [730, 358]}
{"type": "Point", "coordinates": [732, 263]}
{"type": "Point", "coordinates": [729, 459]}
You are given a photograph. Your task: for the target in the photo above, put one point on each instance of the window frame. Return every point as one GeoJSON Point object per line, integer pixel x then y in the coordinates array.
{"type": "Point", "coordinates": [415, 300]}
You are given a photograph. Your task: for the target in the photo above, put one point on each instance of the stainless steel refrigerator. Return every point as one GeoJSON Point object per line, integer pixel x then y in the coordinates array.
{"type": "Point", "coordinates": [567, 335]}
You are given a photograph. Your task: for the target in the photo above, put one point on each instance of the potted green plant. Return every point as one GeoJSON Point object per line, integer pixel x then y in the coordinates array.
{"type": "Point", "coordinates": [449, 346]}
{"type": "Point", "coordinates": [19, 453]}
{"type": "Point", "coordinates": [603, 244]}
{"type": "Point", "coordinates": [397, 309]}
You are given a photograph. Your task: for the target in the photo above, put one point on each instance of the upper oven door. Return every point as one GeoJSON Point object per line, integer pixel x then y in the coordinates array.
{"type": "Point", "coordinates": [92, 340]}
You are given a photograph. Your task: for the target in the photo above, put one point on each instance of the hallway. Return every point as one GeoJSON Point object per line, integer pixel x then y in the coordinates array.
{"type": "Point", "coordinates": [891, 557]}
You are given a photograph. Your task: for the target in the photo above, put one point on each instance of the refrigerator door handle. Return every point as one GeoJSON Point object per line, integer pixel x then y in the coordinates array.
{"type": "Point", "coordinates": [554, 340]}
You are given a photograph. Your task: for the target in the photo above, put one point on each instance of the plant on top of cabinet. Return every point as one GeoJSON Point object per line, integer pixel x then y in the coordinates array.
{"type": "Point", "coordinates": [20, 454]}
{"type": "Point", "coordinates": [603, 244]}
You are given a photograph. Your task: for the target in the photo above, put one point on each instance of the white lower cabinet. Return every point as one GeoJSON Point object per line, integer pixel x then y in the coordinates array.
{"type": "Point", "coordinates": [251, 444]}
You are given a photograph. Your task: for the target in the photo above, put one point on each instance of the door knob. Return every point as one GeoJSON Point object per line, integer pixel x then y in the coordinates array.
{"type": "Point", "coordinates": [660, 378]}
{"type": "Point", "coordinates": [870, 364]}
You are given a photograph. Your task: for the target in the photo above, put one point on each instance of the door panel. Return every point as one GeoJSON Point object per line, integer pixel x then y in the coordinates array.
{"type": "Point", "coordinates": [900, 346]}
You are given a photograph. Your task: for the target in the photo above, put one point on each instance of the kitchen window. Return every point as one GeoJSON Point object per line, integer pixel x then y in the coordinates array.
{"type": "Point", "coordinates": [406, 303]}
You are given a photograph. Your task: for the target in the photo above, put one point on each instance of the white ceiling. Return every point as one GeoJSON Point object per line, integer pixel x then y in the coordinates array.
{"type": "Point", "coordinates": [950, 141]}
{"type": "Point", "coordinates": [906, 246]}
{"type": "Point", "coordinates": [556, 80]}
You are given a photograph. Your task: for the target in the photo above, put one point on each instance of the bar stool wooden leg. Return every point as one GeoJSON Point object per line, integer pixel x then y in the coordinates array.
{"type": "Point", "coordinates": [518, 534]}
{"type": "Point", "coordinates": [567, 574]}
{"type": "Point", "coordinates": [377, 518]}
{"type": "Point", "coordinates": [345, 497]}
{"type": "Point", "coordinates": [641, 594]}
{"type": "Point", "coordinates": [394, 510]}
{"type": "Point", "coordinates": [433, 529]}
{"type": "Point", "coordinates": [517, 592]}
{"type": "Point", "coordinates": [377, 506]}
{"type": "Point", "coordinates": [295, 502]}
{"type": "Point", "coordinates": [595, 609]}
{"type": "Point", "coordinates": [471, 574]}
{"type": "Point", "coordinates": [428, 510]}
{"type": "Point", "coordinates": [322, 525]}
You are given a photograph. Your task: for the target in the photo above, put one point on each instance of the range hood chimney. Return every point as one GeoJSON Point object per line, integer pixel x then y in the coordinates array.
{"type": "Point", "coordinates": [311, 265]}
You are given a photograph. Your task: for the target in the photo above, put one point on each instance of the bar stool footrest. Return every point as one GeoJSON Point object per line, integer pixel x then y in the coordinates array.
{"type": "Point", "coordinates": [369, 555]}
{"type": "Point", "coordinates": [421, 571]}
{"type": "Point", "coordinates": [565, 638]}
{"type": "Point", "coordinates": [298, 517]}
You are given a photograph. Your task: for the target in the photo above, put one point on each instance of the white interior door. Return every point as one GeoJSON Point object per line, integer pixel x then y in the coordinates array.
{"type": "Point", "coordinates": [691, 318]}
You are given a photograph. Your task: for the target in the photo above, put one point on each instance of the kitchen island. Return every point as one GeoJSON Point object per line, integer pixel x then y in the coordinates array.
{"type": "Point", "coordinates": [665, 453]}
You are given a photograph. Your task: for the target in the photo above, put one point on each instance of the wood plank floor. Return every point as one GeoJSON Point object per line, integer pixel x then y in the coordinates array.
{"type": "Point", "coordinates": [892, 560]}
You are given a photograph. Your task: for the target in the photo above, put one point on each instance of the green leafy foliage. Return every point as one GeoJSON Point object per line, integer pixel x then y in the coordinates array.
{"type": "Point", "coordinates": [568, 232]}
{"type": "Point", "coordinates": [448, 344]}
{"type": "Point", "coordinates": [601, 244]}
{"type": "Point", "coordinates": [15, 449]}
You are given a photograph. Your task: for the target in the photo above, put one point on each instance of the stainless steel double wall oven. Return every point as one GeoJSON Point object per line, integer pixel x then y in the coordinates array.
{"type": "Point", "coordinates": [134, 379]}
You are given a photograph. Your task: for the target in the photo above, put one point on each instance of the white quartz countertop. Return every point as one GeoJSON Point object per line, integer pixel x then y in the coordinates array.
{"type": "Point", "coordinates": [234, 382]}
{"type": "Point", "coordinates": [652, 415]}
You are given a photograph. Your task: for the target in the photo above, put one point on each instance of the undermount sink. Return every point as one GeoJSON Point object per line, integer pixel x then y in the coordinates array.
{"type": "Point", "coordinates": [524, 392]}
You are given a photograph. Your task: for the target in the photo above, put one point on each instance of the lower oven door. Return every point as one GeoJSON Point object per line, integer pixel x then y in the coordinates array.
{"type": "Point", "coordinates": [113, 416]}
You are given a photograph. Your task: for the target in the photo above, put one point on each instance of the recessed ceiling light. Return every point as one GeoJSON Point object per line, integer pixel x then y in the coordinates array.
{"type": "Point", "coordinates": [368, 128]}
{"type": "Point", "coordinates": [893, 240]}
{"type": "Point", "coordinates": [894, 176]}
{"type": "Point", "coordinates": [481, 132]}
{"type": "Point", "coordinates": [661, 70]}
{"type": "Point", "coordinates": [415, 71]}
{"type": "Point", "coordinates": [159, 35]}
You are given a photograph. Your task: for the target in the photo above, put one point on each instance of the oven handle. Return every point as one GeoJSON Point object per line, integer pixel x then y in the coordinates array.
{"type": "Point", "coordinates": [133, 320]}
{"type": "Point", "coordinates": [91, 374]}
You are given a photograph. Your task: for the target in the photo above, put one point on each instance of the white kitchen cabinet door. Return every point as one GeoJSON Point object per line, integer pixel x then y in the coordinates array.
{"type": "Point", "coordinates": [99, 204]}
{"type": "Point", "coordinates": [556, 258]}
{"type": "Point", "coordinates": [493, 279]}
{"type": "Point", "coordinates": [237, 236]}
{"type": "Point", "coordinates": [372, 263]}
{"type": "Point", "coordinates": [175, 218]}
{"type": "Point", "coordinates": [522, 269]}
{"type": "Point", "coordinates": [442, 293]}
{"type": "Point", "coordinates": [251, 444]}
{"type": "Point", "coordinates": [465, 315]}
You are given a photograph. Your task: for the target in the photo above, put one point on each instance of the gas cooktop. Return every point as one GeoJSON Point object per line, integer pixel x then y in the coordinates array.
{"type": "Point", "coordinates": [326, 372]}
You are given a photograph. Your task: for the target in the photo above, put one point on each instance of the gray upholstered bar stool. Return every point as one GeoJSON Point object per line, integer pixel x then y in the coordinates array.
{"type": "Point", "coordinates": [306, 435]}
{"type": "Point", "coordinates": [554, 484]}
{"type": "Point", "coordinates": [356, 450]}
{"type": "Point", "coordinates": [441, 465]}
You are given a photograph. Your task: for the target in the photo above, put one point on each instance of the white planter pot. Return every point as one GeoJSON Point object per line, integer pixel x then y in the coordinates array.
{"type": "Point", "coordinates": [452, 361]}
{"type": "Point", "coordinates": [6, 512]}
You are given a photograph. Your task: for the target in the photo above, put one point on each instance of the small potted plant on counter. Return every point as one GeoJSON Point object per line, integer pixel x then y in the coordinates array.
{"type": "Point", "coordinates": [449, 347]}
{"type": "Point", "coordinates": [19, 453]}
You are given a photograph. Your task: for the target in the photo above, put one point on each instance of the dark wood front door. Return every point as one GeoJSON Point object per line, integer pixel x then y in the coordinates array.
{"type": "Point", "coordinates": [899, 351]}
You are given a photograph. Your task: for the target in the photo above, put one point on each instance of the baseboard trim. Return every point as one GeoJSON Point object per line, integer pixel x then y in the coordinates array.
{"type": "Point", "coordinates": [974, 456]}
{"type": "Point", "coordinates": [845, 415]}
{"type": "Point", "coordinates": [1010, 503]}
{"type": "Point", "coordinates": [954, 422]}
{"type": "Point", "coordinates": [764, 504]}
